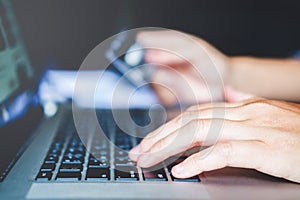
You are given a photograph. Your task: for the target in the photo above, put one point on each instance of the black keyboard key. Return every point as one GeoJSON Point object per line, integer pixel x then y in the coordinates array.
{"type": "Point", "coordinates": [97, 146]}
{"type": "Point", "coordinates": [126, 146]}
{"type": "Point", "coordinates": [74, 142]}
{"type": "Point", "coordinates": [75, 155]}
{"type": "Point", "coordinates": [71, 158]}
{"type": "Point", "coordinates": [51, 159]}
{"type": "Point", "coordinates": [98, 164]}
{"type": "Point", "coordinates": [68, 176]}
{"type": "Point", "coordinates": [124, 161]}
{"type": "Point", "coordinates": [101, 174]}
{"type": "Point", "coordinates": [99, 157]}
{"type": "Point", "coordinates": [154, 175]}
{"type": "Point", "coordinates": [48, 167]}
{"type": "Point", "coordinates": [74, 151]}
{"type": "Point", "coordinates": [123, 140]}
{"type": "Point", "coordinates": [100, 153]}
{"type": "Point", "coordinates": [54, 151]}
{"type": "Point", "coordinates": [70, 168]}
{"type": "Point", "coordinates": [44, 176]}
{"type": "Point", "coordinates": [72, 161]}
{"type": "Point", "coordinates": [53, 154]}
{"type": "Point", "coordinates": [190, 179]}
{"type": "Point", "coordinates": [126, 174]}
{"type": "Point", "coordinates": [121, 153]}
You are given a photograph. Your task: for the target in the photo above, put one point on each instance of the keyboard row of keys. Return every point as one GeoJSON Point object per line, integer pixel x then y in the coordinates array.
{"type": "Point", "coordinates": [98, 163]}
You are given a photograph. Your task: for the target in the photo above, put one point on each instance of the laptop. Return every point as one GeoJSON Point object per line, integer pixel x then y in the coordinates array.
{"type": "Point", "coordinates": [65, 156]}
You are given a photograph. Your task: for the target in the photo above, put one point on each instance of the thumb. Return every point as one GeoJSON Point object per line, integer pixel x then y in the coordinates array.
{"type": "Point", "coordinates": [232, 95]}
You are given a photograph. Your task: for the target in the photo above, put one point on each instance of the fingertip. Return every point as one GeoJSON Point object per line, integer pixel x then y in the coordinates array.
{"type": "Point", "coordinates": [134, 153]}
{"type": "Point", "coordinates": [178, 170]}
{"type": "Point", "coordinates": [182, 171]}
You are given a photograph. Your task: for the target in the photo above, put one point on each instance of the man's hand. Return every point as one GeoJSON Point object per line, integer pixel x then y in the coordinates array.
{"type": "Point", "coordinates": [190, 68]}
{"type": "Point", "coordinates": [258, 134]}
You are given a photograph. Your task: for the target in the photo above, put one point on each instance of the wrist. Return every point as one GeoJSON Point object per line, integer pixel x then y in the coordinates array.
{"type": "Point", "coordinates": [228, 70]}
{"type": "Point", "coordinates": [240, 72]}
{"type": "Point", "coordinates": [233, 64]}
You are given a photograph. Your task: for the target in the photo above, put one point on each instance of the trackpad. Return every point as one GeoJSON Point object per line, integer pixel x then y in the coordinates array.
{"type": "Point", "coordinates": [117, 191]}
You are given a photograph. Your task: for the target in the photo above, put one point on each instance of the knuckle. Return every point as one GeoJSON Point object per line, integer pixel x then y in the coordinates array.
{"type": "Point", "coordinates": [258, 103]}
{"type": "Point", "coordinates": [257, 107]}
{"type": "Point", "coordinates": [185, 117]}
{"type": "Point", "coordinates": [161, 144]}
{"type": "Point", "coordinates": [198, 125]}
{"type": "Point", "coordinates": [199, 128]}
{"type": "Point", "coordinates": [226, 151]}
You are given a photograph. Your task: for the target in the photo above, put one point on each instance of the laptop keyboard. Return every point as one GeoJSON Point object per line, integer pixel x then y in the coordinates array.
{"type": "Point", "coordinates": [103, 160]}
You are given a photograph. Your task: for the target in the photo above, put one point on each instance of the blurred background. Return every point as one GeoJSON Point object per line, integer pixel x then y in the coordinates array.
{"type": "Point", "coordinates": [63, 32]}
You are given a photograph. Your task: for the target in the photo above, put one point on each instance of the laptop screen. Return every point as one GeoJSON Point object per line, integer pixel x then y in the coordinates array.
{"type": "Point", "coordinates": [17, 86]}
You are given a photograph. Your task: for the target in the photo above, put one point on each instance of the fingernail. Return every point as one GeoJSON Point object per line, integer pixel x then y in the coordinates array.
{"type": "Point", "coordinates": [178, 169]}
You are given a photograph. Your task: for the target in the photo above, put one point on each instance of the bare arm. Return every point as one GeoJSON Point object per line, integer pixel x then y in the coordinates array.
{"type": "Point", "coordinates": [264, 77]}
{"type": "Point", "coordinates": [269, 78]}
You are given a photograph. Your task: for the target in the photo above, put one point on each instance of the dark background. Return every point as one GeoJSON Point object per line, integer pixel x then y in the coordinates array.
{"type": "Point", "coordinates": [62, 32]}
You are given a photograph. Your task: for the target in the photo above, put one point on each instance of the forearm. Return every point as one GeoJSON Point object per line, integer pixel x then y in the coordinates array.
{"type": "Point", "coordinates": [269, 78]}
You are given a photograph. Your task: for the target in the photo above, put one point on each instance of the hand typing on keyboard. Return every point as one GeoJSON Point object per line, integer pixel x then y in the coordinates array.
{"type": "Point", "coordinates": [254, 132]}
{"type": "Point", "coordinates": [101, 159]}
